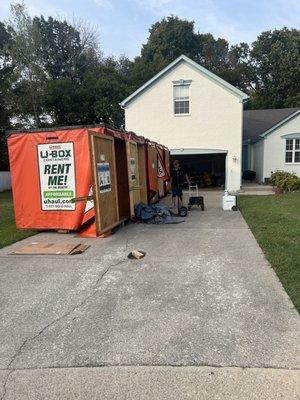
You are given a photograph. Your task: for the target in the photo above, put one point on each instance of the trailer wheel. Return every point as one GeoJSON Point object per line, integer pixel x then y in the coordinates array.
{"type": "Point", "coordinates": [182, 212]}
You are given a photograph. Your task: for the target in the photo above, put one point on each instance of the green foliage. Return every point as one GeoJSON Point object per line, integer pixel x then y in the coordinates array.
{"type": "Point", "coordinates": [93, 99]}
{"type": "Point", "coordinates": [171, 37]}
{"type": "Point", "coordinates": [275, 56]}
{"type": "Point", "coordinates": [285, 180]}
{"type": "Point", "coordinates": [6, 73]}
{"type": "Point", "coordinates": [61, 48]}
{"type": "Point", "coordinates": [52, 72]}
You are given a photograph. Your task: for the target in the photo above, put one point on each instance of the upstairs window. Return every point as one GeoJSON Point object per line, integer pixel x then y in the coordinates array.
{"type": "Point", "coordinates": [181, 99]}
{"type": "Point", "coordinates": [292, 151]}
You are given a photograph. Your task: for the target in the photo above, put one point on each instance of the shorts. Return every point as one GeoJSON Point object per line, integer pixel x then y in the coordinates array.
{"type": "Point", "coordinates": [176, 192]}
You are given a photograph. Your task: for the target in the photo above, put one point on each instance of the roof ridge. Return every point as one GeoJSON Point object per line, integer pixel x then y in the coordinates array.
{"type": "Point", "coordinates": [193, 64]}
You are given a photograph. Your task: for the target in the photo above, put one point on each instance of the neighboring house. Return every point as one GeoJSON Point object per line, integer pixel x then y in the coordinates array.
{"type": "Point", "coordinates": [271, 141]}
{"type": "Point", "coordinates": [196, 114]}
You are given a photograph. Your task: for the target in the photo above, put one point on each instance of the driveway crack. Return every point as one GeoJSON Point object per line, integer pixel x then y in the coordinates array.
{"type": "Point", "coordinates": [65, 315]}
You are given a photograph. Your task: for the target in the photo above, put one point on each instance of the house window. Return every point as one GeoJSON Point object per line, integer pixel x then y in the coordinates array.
{"type": "Point", "coordinates": [181, 99]}
{"type": "Point", "coordinates": [292, 151]}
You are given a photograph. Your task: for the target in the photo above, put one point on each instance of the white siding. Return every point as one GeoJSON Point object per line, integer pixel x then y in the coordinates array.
{"type": "Point", "coordinates": [274, 153]}
{"type": "Point", "coordinates": [215, 120]}
{"type": "Point", "coordinates": [258, 160]}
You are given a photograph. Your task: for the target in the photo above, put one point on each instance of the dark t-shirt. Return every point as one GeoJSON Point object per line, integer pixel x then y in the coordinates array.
{"type": "Point", "coordinates": [177, 177]}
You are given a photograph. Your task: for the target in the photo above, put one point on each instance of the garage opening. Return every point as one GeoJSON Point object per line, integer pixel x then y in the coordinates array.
{"type": "Point", "coordinates": [207, 170]}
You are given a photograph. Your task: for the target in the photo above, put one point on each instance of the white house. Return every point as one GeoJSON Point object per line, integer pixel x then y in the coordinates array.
{"type": "Point", "coordinates": [271, 141]}
{"type": "Point", "coordinates": [195, 113]}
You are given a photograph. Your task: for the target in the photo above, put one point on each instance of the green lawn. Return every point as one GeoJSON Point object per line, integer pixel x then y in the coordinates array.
{"type": "Point", "coordinates": [275, 222]}
{"type": "Point", "coordinates": [8, 231]}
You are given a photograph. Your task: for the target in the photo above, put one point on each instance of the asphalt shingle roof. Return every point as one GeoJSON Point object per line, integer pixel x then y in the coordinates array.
{"type": "Point", "coordinates": [256, 122]}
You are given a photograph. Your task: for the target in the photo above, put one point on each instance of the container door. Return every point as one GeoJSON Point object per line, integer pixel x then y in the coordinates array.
{"type": "Point", "coordinates": [143, 173]}
{"type": "Point", "coordinates": [167, 164]}
{"type": "Point", "coordinates": [104, 181]}
{"type": "Point", "coordinates": [161, 183]}
{"type": "Point", "coordinates": [152, 174]}
{"type": "Point", "coordinates": [133, 175]}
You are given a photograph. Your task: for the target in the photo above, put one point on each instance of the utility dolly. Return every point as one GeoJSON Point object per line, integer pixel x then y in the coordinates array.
{"type": "Point", "coordinates": [195, 200]}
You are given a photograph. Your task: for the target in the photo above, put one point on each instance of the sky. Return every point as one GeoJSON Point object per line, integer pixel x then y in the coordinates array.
{"type": "Point", "coordinates": [123, 25]}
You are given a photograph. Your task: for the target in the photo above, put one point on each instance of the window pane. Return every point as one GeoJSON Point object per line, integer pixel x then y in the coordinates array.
{"type": "Point", "coordinates": [181, 107]}
{"type": "Point", "coordinates": [297, 156]}
{"type": "Point", "coordinates": [181, 92]}
{"type": "Point", "coordinates": [176, 92]}
{"type": "Point", "coordinates": [289, 144]}
{"type": "Point", "coordinates": [184, 91]}
{"type": "Point", "coordinates": [297, 144]}
{"type": "Point", "coordinates": [186, 107]}
{"type": "Point", "coordinates": [288, 156]}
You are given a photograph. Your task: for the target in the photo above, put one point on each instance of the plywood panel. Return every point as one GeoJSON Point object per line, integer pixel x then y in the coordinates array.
{"type": "Point", "coordinates": [161, 182]}
{"type": "Point", "coordinates": [167, 164]}
{"type": "Point", "coordinates": [122, 179]}
{"type": "Point", "coordinates": [152, 172]}
{"type": "Point", "coordinates": [161, 189]}
{"type": "Point", "coordinates": [104, 181]}
{"type": "Point", "coordinates": [142, 173]}
{"type": "Point", "coordinates": [133, 175]}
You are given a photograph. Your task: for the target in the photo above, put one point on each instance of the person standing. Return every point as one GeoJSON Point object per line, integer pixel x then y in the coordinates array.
{"type": "Point", "coordinates": [177, 180]}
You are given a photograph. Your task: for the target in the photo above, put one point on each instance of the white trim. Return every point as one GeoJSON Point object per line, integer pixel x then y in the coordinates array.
{"type": "Point", "coordinates": [182, 82]}
{"type": "Point", "coordinates": [189, 100]}
{"type": "Point", "coordinates": [184, 152]}
{"type": "Point", "coordinates": [284, 121]}
{"type": "Point", "coordinates": [293, 151]}
{"type": "Point", "coordinates": [291, 136]}
{"type": "Point", "coordinates": [194, 65]}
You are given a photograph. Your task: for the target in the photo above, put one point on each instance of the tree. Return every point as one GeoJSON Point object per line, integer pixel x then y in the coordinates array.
{"type": "Point", "coordinates": [67, 51]}
{"type": "Point", "coordinates": [6, 72]}
{"type": "Point", "coordinates": [93, 100]}
{"type": "Point", "coordinates": [239, 70]}
{"type": "Point", "coordinates": [26, 55]}
{"type": "Point", "coordinates": [212, 53]}
{"type": "Point", "coordinates": [171, 37]}
{"type": "Point", "coordinates": [276, 59]}
{"type": "Point", "coordinates": [168, 39]}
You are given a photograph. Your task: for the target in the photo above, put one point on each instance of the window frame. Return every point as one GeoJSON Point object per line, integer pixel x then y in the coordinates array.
{"type": "Point", "coordinates": [292, 150]}
{"type": "Point", "coordinates": [187, 84]}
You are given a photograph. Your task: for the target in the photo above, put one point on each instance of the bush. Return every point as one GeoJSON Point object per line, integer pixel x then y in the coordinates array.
{"type": "Point", "coordinates": [287, 181]}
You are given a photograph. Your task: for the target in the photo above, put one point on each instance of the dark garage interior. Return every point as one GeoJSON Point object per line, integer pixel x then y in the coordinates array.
{"type": "Point", "coordinates": [207, 170]}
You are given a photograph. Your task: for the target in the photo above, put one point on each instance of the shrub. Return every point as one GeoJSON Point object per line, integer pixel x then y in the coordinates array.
{"type": "Point", "coordinates": [287, 181]}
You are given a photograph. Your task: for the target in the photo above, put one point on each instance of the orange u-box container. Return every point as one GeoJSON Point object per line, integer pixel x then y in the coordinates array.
{"type": "Point", "coordinates": [48, 169]}
{"type": "Point", "coordinates": [106, 172]}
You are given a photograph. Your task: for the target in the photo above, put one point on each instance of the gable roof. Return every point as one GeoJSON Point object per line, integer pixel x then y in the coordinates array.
{"type": "Point", "coordinates": [193, 64]}
{"type": "Point", "coordinates": [258, 123]}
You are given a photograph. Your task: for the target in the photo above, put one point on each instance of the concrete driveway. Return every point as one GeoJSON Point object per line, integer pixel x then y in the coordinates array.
{"type": "Point", "coordinates": [202, 316]}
